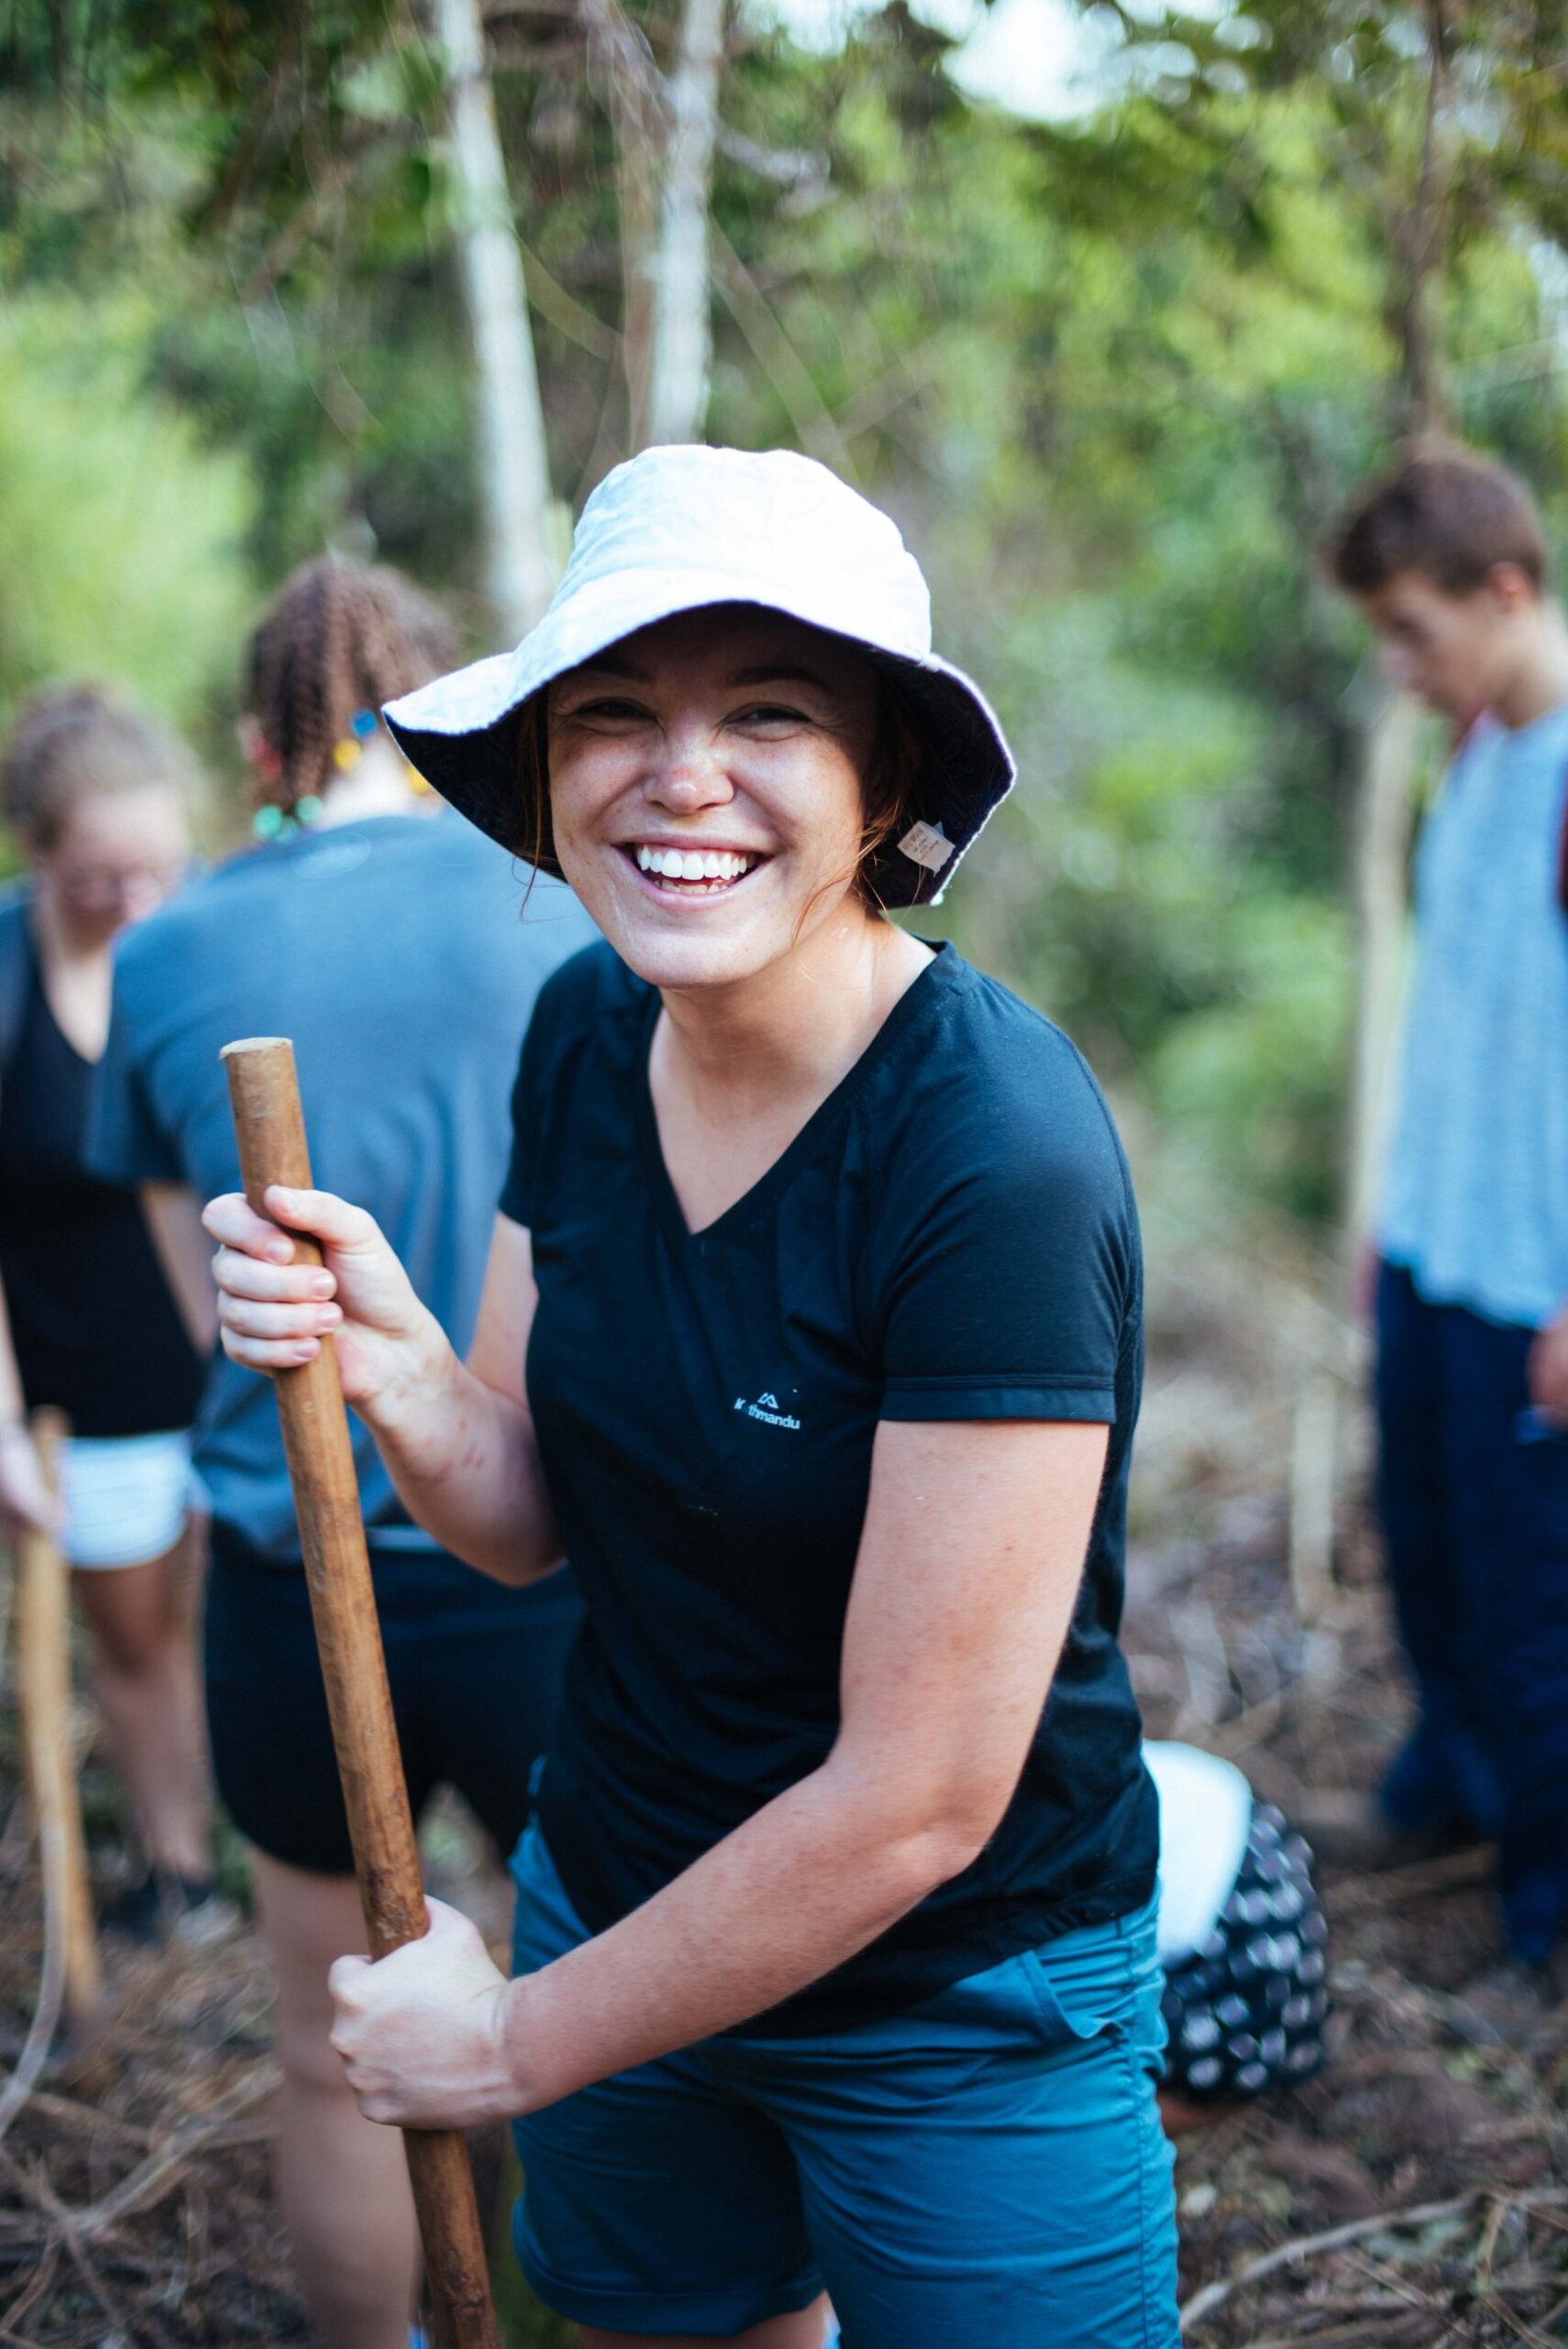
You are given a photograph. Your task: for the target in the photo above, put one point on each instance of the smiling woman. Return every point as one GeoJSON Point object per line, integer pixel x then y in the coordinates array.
{"type": "Point", "coordinates": [811, 1334]}
{"type": "Point", "coordinates": [803, 684]}
{"type": "Point", "coordinates": [710, 770]}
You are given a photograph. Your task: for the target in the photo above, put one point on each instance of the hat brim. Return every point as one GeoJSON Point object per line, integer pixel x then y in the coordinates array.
{"type": "Point", "coordinates": [463, 732]}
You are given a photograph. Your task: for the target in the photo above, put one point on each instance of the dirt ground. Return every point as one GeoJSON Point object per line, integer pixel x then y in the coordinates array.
{"type": "Point", "coordinates": [1417, 2193]}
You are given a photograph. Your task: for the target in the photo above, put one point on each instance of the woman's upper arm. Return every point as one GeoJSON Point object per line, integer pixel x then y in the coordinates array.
{"type": "Point", "coordinates": [174, 1216]}
{"type": "Point", "coordinates": [975, 1537]}
{"type": "Point", "coordinates": [505, 1312]}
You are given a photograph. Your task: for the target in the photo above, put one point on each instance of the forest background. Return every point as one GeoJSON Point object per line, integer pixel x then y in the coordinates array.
{"type": "Point", "coordinates": [1113, 374]}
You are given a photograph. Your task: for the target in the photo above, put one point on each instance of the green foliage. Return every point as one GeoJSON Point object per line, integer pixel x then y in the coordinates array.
{"type": "Point", "coordinates": [1114, 377]}
{"type": "Point", "coordinates": [122, 532]}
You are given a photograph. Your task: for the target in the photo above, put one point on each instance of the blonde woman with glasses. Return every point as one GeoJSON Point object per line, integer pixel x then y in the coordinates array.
{"type": "Point", "coordinates": [97, 797]}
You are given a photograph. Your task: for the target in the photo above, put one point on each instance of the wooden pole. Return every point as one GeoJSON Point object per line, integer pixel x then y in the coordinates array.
{"type": "Point", "coordinates": [270, 1126]}
{"type": "Point", "coordinates": [43, 1674]}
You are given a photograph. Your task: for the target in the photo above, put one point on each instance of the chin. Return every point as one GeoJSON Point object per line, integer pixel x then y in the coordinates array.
{"type": "Point", "coordinates": [667, 960]}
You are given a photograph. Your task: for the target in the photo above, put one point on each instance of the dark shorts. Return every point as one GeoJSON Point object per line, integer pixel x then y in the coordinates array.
{"type": "Point", "coordinates": [985, 2168]}
{"type": "Point", "coordinates": [475, 1672]}
{"type": "Point", "coordinates": [1245, 2012]}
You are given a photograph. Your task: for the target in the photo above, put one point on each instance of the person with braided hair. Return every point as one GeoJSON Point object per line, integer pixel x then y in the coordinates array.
{"type": "Point", "coordinates": [341, 639]}
{"type": "Point", "coordinates": [364, 908]}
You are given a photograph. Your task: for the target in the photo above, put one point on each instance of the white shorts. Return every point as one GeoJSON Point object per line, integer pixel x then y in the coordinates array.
{"type": "Point", "coordinates": [127, 1496]}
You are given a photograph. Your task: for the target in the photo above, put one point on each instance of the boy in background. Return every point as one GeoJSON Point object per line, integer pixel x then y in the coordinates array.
{"type": "Point", "coordinates": [1446, 560]}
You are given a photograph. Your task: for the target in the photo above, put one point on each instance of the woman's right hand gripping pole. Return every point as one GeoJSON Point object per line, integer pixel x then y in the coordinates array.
{"type": "Point", "coordinates": [458, 1446]}
{"type": "Point", "coordinates": [273, 1313]}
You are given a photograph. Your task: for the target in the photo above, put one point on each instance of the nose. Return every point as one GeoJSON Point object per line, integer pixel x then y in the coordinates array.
{"type": "Point", "coordinates": [691, 774]}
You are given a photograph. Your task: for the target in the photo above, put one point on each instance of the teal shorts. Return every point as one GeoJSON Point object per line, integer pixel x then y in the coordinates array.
{"type": "Point", "coordinates": [988, 2167]}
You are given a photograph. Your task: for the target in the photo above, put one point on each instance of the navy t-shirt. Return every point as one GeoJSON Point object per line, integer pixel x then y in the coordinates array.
{"type": "Point", "coordinates": [94, 1327]}
{"type": "Point", "coordinates": [402, 957]}
{"type": "Point", "coordinates": [950, 1237]}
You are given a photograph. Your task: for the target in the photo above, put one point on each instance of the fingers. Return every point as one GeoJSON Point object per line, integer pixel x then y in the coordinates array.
{"type": "Point", "coordinates": [233, 1223]}
{"type": "Point", "coordinates": [273, 1313]}
{"type": "Point", "coordinates": [271, 1353]}
{"type": "Point", "coordinates": [25, 1497]}
{"type": "Point", "coordinates": [246, 1319]}
{"type": "Point", "coordinates": [325, 1216]}
{"type": "Point", "coordinates": [264, 1282]}
{"type": "Point", "coordinates": [344, 1977]}
{"type": "Point", "coordinates": [272, 1316]}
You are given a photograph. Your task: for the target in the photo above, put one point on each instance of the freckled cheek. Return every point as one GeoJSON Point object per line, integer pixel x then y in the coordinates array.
{"type": "Point", "coordinates": [814, 806]}
{"type": "Point", "coordinates": [585, 788]}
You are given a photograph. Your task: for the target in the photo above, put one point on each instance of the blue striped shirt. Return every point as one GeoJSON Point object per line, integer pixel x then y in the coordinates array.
{"type": "Point", "coordinates": [1475, 1197]}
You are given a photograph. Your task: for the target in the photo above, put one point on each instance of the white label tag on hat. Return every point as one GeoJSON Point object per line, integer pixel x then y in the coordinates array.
{"type": "Point", "coordinates": [927, 845]}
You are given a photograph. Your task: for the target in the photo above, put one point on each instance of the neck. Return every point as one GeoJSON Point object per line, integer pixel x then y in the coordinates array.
{"type": "Point", "coordinates": [800, 1025]}
{"type": "Point", "coordinates": [376, 784]}
{"type": "Point", "coordinates": [64, 941]}
{"type": "Point", "coordinates": [1540, 682]}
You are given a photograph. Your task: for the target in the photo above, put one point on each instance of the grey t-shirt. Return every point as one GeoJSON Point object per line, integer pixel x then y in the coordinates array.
{"type": "Point", "coordinates": [402, 957]}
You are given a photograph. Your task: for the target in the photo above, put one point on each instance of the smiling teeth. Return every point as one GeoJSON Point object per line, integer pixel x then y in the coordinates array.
{"type": "Point", "coordinates": [693, 865]}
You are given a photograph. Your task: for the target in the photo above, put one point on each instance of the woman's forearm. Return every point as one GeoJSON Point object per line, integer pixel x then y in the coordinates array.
{"type": "Point", "coordinates": [459, 1448]}
{"type": "Point", "coordinates": [971, 1554]}
{"type": "Point", "coordinates": [465, 1464]}
{"type": "Point", "coordinates": [804, 1884]}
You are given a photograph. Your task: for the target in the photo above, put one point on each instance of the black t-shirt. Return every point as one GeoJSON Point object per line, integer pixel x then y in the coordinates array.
{"type": "Point", "coordinates": [95, 1330]}
{"type": "Point", "coordinates": [950, 1237]}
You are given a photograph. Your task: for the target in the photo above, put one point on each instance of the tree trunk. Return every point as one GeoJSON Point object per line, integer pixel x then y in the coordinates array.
{"type": "Point", "coordinates": [1385, 809]}
{"type": "Point", "coordinates": [1419, 244]}
{"type": "Point", "coordinates": [682, 341]}
{"type": "Point", "coordinates": [627, 82]}
{"type": "Point", "coordinates": [522, 526]}
{"type": "Point", "coordinates": [1385, 818]}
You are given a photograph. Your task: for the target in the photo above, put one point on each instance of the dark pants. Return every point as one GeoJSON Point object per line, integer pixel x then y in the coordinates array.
{"type": "Point", "coordinates": [476, 1674]}
{"type": "Point", "coordinates": [1475, 1522]}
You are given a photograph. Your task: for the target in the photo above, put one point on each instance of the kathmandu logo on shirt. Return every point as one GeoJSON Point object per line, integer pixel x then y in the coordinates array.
{"type": "Point", "coordinates": [767, 1408]}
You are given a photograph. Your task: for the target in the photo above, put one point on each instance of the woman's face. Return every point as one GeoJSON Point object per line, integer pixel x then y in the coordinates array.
{"type": "Point", "coordinates": [705, 790]}
{"type": "Point", "coordinates": [116, 859]}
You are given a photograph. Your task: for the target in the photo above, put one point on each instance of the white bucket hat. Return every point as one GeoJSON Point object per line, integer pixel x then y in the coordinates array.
{"type": "Point", "coordinates": [678, 528]}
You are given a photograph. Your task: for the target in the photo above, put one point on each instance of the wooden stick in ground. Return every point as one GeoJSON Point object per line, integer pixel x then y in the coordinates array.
{"type": "Point", "coordinates": [270, 1126]}
{"type": "Point", "coordinates": [43, 1676]}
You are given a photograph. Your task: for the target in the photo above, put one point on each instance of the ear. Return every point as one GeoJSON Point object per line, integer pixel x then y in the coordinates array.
{"type": "Point", "coordinates": [1511, 588]}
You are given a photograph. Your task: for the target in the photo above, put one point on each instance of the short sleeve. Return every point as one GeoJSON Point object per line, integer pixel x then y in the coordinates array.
{"type": "Point", "coordinates": [126, 1142]}
{"type": "Point", "coordinates": [516, 1191]}
{"type": "Point", "coordinates": [1012, 1285]}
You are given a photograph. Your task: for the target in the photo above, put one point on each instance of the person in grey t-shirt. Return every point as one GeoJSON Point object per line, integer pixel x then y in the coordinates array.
{"type": "Point", "coordinates": [1447, 562]}
{"type": "Point", "coordinates": [402, 953]}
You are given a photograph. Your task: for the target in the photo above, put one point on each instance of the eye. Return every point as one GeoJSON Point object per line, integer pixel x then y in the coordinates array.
{"type": "Point", "coordinates": [609, 708]}
{"type": "Point", "coordinates": [773, 714]}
